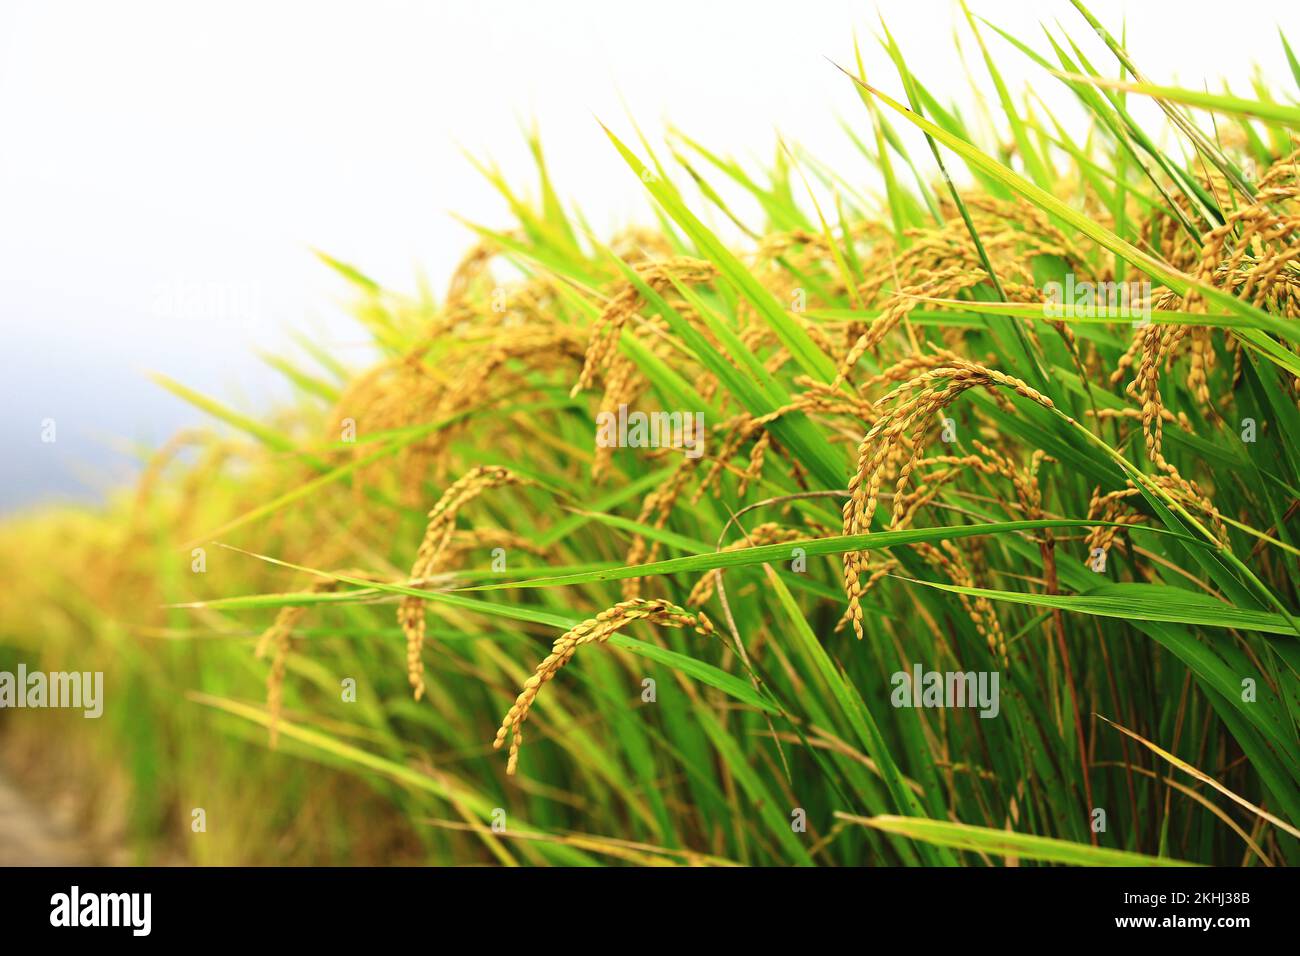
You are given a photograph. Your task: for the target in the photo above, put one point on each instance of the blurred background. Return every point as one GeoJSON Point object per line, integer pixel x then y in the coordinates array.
{"type": "Point", "coordinates": [167, 169]}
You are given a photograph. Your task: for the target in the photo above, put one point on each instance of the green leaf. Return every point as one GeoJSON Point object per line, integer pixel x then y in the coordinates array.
{"type": "Point", "coordinates": [1139, 602]}
{"type": "Point", "coordinates": [962, 836]}
{"type": "Point", "coordinates": [762, 554]}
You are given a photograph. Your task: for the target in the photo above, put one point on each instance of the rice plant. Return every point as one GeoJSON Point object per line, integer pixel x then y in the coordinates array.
{"type": "Point", "coordinates": [948, 524]}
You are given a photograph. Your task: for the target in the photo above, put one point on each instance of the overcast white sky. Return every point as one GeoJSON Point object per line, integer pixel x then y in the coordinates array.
{"type": "Point", "coordinates": [165, 167]}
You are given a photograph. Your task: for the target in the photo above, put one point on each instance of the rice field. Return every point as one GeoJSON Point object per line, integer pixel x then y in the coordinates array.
{"type": "Point", "coordinates": [951, 523]}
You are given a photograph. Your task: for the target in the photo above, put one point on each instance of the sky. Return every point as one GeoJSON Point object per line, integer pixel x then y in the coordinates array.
{"type": "Point", "coordinates": [166, 169]}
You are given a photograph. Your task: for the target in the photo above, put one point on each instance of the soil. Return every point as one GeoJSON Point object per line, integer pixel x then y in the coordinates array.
{"type": "Point", "coordinates": [31, 837]}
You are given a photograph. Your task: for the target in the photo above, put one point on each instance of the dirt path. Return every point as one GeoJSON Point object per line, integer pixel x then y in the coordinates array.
{"type": "Point", "coordinates": [28, 837]}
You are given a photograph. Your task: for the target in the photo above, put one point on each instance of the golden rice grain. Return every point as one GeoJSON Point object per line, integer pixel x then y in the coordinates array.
{"type": "Point", "coordinates": [437, 536]}
{"type": "Point", "coordinates": [595, 630]}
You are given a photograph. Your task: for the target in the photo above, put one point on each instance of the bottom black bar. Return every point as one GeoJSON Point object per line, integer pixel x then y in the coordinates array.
{"type": "Point", "coordinates": [334, 906]}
